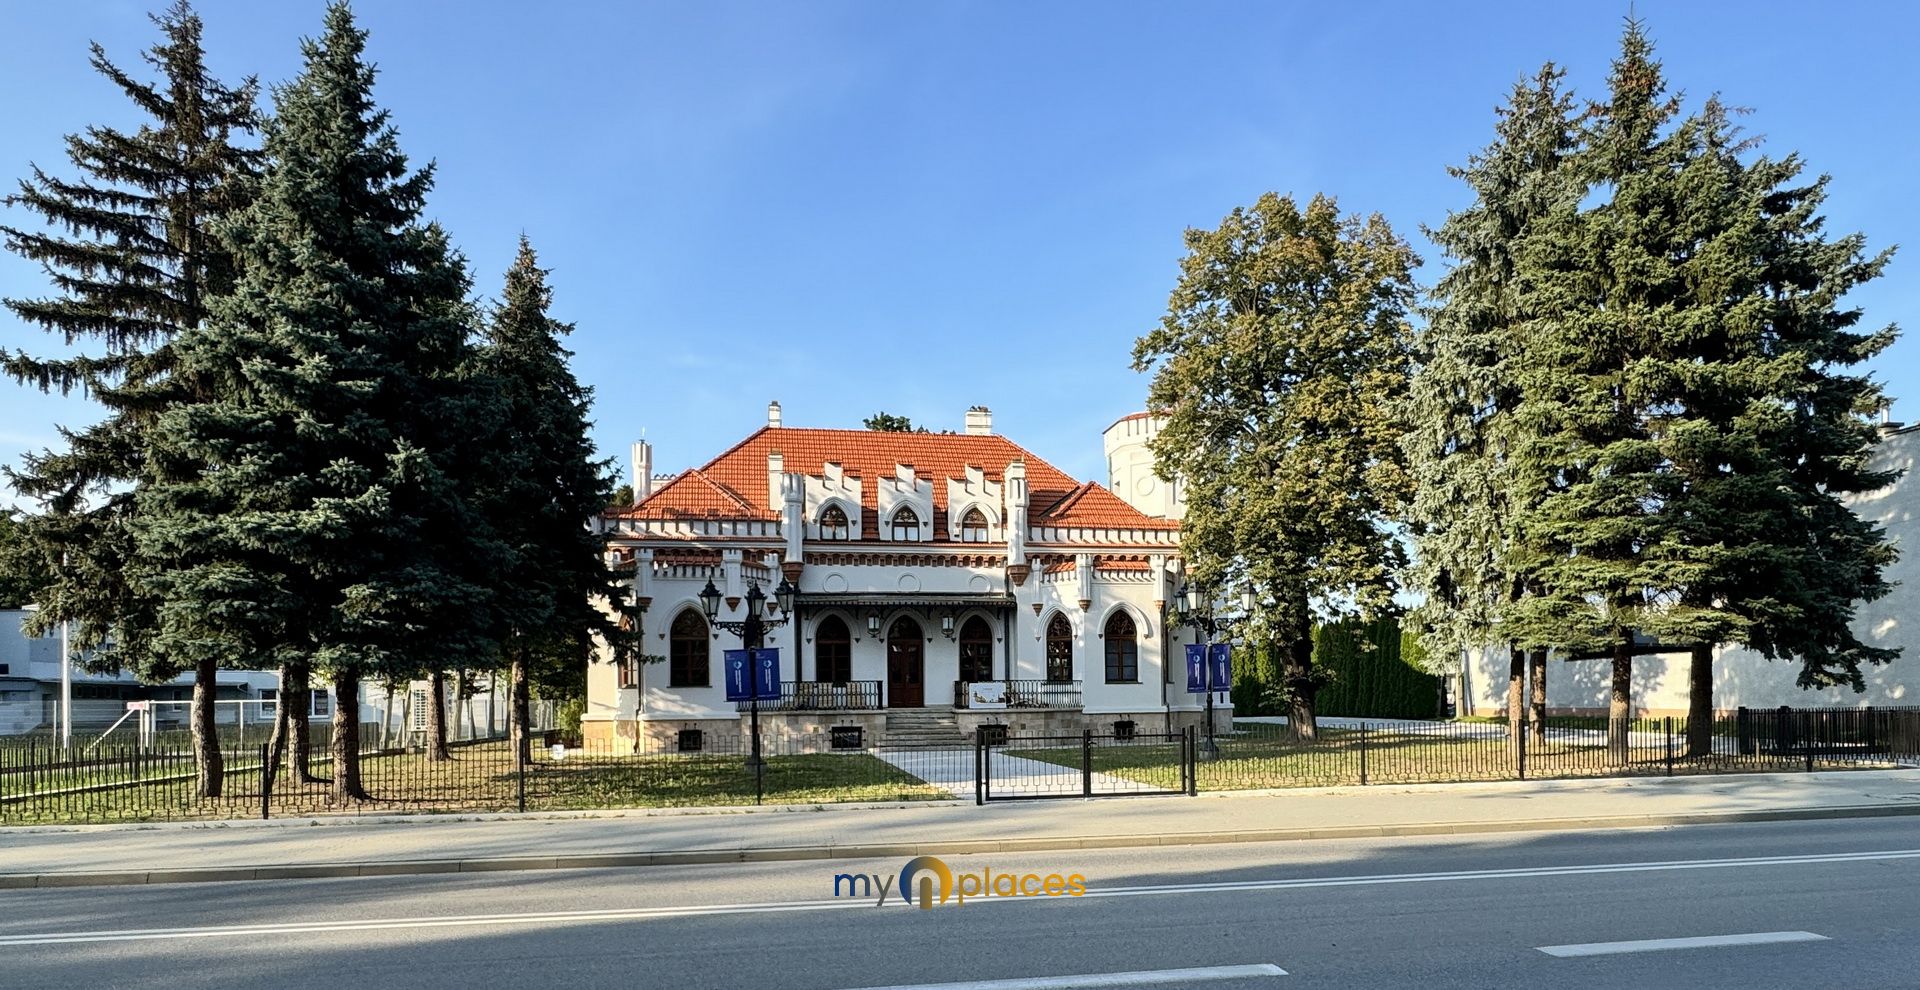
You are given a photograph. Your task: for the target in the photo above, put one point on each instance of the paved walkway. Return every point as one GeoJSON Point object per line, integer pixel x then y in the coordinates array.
{"type": "Point", "coordinates": [277, 849]}
{"type": "Point", "coordinates": [1012, 776]}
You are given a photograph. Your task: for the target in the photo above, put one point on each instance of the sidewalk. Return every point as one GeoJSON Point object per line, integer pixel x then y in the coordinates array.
{"type": "Point", "coordinates": [293, 848]}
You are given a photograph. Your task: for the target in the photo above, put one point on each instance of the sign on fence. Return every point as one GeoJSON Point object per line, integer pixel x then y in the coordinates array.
{"type": "Point", "coordinates": [753, 674]}
{"type": "Point", "coordinates": [987, 694]}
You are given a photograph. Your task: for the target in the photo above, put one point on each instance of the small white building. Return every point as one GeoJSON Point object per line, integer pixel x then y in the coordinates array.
{"type": "Point", "coordinates": [944, 580]}
{"type": "Point", "coordinates": [1743, 678]}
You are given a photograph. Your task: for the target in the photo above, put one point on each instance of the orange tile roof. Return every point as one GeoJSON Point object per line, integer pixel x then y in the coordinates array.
{"type": "Point", "coordinates": [734, 484]}
{"type": "Point", "coordinates": [693, 495]}
{"type": "Point", "coordinates": [1094, 506]}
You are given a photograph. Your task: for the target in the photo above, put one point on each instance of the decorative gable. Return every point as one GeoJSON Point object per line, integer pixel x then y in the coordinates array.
{"type": "Point", "coordinates": [834, 488]}
{"type": "Point", "coordinates": [975, 492]}
{"type": "Point", "coordinates": [905, 492]}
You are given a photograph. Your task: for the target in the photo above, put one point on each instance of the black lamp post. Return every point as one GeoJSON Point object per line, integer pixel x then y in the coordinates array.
{"type": "Point", "coordinates": [753, 633]}
{"type": "Point", "coordinates": [1201, 619]}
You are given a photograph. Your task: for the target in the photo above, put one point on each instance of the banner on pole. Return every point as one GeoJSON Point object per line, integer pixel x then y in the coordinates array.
{"type": "Point", "coordinates": [1196, 668]}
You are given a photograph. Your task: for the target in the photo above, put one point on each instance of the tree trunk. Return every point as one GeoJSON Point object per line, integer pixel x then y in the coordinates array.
{"type": "Point", "coordinates": [1516, 690]}
{"type": "Point", "coordinates": [1299, 680]}
{"type": "Point", "coordinates": [209, 766]}
{"type": "Point", "coordinates": [520, 711]}
{"type": "Point", "coordinates": [437, 718]}
{"type": "Point", "coordinates": [296, 700]}
{"type": "Point", "coordinates": [1620, 704]}
{"type": "Point", "coordinates": [1700, 702]}
{"type": "Point", "coordinates": [1537, 700]}
{"type": "Point", "coordinates": [346, 737]}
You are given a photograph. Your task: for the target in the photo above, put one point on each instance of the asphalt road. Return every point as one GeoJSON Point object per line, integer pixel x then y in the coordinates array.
{"type": "Point", "coordinates": [1818, 904]}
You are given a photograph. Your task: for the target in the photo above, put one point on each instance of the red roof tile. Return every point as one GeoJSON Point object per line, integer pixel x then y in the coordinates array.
{"type": "Point", "coordinates": [734, 484]}
{"type": "Point", "coordinates": [1090, 505]}
{"type": "Point", "coordinates": [694, 495]}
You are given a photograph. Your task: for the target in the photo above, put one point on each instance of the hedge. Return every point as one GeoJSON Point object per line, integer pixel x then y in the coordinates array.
{"type": "Point", "coordinates": [1371, 669]}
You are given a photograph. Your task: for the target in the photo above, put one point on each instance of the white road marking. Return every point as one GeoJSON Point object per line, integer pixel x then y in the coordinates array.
{"type": "Point", "coordinates": [1664, 944]}
{"type": "Point", "coordinates": [1139, 978]}
{"type": "Point", "coordinates": [774, 907]}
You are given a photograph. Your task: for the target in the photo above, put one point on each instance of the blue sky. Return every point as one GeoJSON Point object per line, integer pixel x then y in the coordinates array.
{"type": "Point", "coordinates": [920, 207]}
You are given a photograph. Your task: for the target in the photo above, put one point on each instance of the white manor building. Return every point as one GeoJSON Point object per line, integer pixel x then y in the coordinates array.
{"type": "Point", "coordinates": [944, 580]}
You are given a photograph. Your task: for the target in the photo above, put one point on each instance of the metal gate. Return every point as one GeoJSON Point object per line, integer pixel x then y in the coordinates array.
{"type": "Point", "coordinates": [1015, 768]}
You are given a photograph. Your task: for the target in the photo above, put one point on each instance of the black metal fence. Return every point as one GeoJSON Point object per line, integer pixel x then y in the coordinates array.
{"type": "Point", "coordinates": [1028, 767]}
{"type": "Point", "coordinates": [43, 784]}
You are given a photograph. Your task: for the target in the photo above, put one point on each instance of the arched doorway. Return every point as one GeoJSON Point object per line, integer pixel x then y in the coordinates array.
{"type": "Point", "coordinates": [976, 650]}
{"type": "Point", "coordinates": [906, 665]}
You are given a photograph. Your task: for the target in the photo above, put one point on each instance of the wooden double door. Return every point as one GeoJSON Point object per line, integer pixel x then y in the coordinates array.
{"type": "Point", "coordinates": [906, 665]}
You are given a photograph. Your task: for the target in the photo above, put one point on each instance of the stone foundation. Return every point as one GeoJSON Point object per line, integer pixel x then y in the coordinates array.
{"type": "Point", "coordinates": [1066, 722]}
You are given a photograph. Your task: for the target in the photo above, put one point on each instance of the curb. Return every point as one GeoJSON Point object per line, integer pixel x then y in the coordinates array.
{"type": "Point", "coordinates": [695, 857]}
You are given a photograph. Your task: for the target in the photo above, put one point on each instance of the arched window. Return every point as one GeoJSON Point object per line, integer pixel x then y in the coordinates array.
{"type": "Point", "coordinates": [833, 523]}
{"type": "Point", "coordinates": [687, 662]}
{"type": "Point", "coordinates": [976, 650]}
{"type": "Point", "coordinates": [906, 525]}
{"type": "Point", "coordinates": [832, 651]}
{"type": "Point", "coordinates": [1123, 650]}
{"type": "Point", "coordinates": [1059, 650]}
{"type": "Point", "coordinates": [973, 527]}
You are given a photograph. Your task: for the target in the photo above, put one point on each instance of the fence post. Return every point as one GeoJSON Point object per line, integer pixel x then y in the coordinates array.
{"type": "Point", "coordinates": [1669, 727]}
{"type": "Point", "coordinates": [1806, 735]}
{"type": "Point", "coordinates": [266, 783]}
{"type": "Point", "coordinates": [1363, 754]}
{"type": "Point", "coordinates": [1086, 762]}
{"type": "Point", "coordinates": [520, 767]}
{"type": "Point", "coordinates": [1193, 760]}
{"type": "Point", "coordinates": [979, 769]}
{"type": "Point", "coordinates": [1520, 745]}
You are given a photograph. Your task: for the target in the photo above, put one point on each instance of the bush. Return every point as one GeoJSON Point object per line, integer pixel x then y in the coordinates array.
{"type": "Point", "coordinates": [1372, 668]}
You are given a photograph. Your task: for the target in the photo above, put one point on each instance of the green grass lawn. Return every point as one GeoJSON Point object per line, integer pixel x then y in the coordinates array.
{"type": "Point", "coordinates": [483, 778]}
{"type": "Point", "coordinates": [1265, 757]}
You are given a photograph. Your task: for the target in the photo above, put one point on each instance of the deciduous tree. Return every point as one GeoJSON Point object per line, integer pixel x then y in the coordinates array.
{"type": "Point", "coordinates": [1279, 368]}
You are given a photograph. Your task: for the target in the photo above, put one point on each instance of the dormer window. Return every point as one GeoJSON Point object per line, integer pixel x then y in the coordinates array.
{"type": "Point", "coordinates": [906, 525]}
{"type": "Point", "coordinates": [833, 523]}
{"type": "Point", "coordinates": [973, 527]}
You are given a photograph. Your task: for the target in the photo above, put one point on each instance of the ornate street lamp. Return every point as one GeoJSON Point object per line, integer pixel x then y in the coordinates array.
{"type": "Point", "coordinates": [783, 596]}
{"type": "Point", "coordinates": [752, 632]}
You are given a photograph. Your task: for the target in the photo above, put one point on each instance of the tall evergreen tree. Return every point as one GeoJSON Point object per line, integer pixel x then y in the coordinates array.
{"type": "Point", "coordinates": [1468, 564]}
{"type": "Point", "coordinates": [1605, 307]}
{"type": "Point", "coordinates": [1280, 366]}
{"type": "Point", "coordinates": [308, 510]}
{"type": "Point", "coordinates": [1687, 405]}
{"type": "Point", "coordinates": [543, 490]}
{"type": "Point", "coordinates": [134, 260]}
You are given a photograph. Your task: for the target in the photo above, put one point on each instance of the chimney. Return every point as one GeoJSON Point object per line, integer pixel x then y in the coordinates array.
{"type": "Point", "coordinates": [642, 470]}
{"type": "Point", "coordinates": [773, 414]}
{"type": "Point", "coordinates": [979, 422]}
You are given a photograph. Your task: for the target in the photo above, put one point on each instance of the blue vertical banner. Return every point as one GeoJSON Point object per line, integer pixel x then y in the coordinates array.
{"type": "Point", "coordinates": [766, 669]}
{"type": "Point", "coordinates": [1196, 668]}
{"type": "Point", "coordinates": [739, 668]}
{"type": "Point", "coordinates": [1220, 667]}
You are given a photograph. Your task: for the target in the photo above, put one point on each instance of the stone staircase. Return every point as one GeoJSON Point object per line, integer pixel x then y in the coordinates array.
{"type": "Point", "coordinates": [921, 728]}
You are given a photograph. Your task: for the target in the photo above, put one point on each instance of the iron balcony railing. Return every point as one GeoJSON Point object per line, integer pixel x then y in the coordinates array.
{"type": "Point", "coordinates": [822, 696]}
{"type": "Point", "coordinates": [1020, 694]}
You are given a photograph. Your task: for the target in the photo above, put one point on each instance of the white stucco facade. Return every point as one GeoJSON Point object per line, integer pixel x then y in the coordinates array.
{"type": "Point", "coordinates": [924, 563]}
